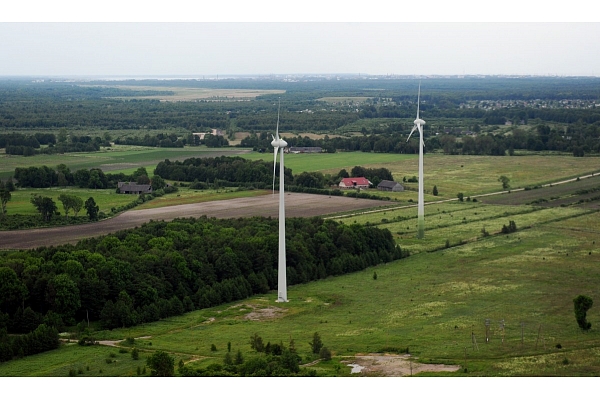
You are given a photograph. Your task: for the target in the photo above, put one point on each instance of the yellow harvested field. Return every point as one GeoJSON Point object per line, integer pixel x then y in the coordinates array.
{"type": "Point", "coordinates": [192, 94]}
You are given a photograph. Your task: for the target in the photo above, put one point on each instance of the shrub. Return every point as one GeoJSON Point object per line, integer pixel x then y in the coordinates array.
{"type": "Point", "coordinates": [135, 353]}
{"type": "Point", "coordinates": [582, 304]}
{"type": "Point", "coordinates": [325, 354]}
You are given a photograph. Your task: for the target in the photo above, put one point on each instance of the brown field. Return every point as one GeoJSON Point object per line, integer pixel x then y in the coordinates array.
{"type": "Point", "coordinates": [192, 94]}
{"type": "Point", "coordinates": [297, 205]}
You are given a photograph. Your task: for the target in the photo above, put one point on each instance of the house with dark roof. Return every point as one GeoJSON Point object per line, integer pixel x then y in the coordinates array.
{"type": "Point", "coordinates": [355, 183]}
{"type": "Point", "coordinates": [390, 186]}
{"type": "Point", "coordinates": [133, 188]}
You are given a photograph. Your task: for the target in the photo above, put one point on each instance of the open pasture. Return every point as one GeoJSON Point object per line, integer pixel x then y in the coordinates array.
{"type": "Point", "coordinates": [550, 196]}
{"type": "Point", "coordinates": [432, 303]}
{"type": "Point", "coordinates": [456, 222]}
{"type": "Point", "coordinates": [20, 202]}
{"type": "Point", "coordinates": [470, 175]}
{"type": "Point", "coordinates": [118, 158]}
{"type": "Point", "coordinates": [331, 162]}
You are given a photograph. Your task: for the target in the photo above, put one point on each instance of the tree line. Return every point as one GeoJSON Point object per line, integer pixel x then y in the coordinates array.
{"type": "Point", "coordinates": [167, 268]}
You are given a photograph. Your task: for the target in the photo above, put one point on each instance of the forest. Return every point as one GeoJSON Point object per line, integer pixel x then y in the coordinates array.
{"type": "Point", "coordinates": [563, 110]}
{"type": "Point", "coordinates": [164, 269]}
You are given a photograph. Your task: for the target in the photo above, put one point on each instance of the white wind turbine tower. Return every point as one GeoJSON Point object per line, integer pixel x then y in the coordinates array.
{"type": "Point", "coordinates": [279, 143]}
{"type": "Point", "coordinates": [421, 207]}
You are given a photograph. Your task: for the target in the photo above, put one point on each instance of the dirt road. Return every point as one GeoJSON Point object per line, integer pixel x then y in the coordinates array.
{"type": "Point", "coordinates": [297, 205]}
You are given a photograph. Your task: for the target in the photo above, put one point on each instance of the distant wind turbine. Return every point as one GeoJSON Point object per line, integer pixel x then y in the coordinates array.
{"type": "Point", "coordinates": [421, 207]}
{"type": "Point", "coordinates": [279, 143]}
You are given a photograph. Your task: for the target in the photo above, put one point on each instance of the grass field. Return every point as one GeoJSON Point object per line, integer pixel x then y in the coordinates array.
{"type": "Point", "coordinates": [435, 302]}
{"type": "Point", "coordinates": [331, 163]}
{"type": "Point", "coordinates": [431, 302]}
{"type": "Point", "coordinates": [118, 158]}
{"type": "Point", "coordinates": [105, 199]}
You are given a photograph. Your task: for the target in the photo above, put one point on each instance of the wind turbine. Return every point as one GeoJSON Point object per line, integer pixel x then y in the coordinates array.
{"type": "Point", "coordinates": [421, 207]}
{"type": "Point", "coordinates": [277, 144]}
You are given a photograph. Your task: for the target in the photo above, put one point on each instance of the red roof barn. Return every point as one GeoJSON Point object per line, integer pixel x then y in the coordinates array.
{"type": "Point", "coordinates": [354, 183]}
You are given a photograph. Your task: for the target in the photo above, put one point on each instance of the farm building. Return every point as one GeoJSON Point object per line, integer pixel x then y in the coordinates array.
{"type": "Point", "coordinates": [133, 188]}
{"type": "Point", "coordinates": [215, 132]}
{"type": "Point", "coordinates": [390, 186]}
{"type": "Point", "coordinates": [355, 183]}
{"type": "Point", "coordinates": [297, 150]}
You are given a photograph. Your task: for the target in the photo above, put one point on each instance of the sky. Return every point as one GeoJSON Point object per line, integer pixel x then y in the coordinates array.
{"type": "Point", "coordinates": [312, 37]}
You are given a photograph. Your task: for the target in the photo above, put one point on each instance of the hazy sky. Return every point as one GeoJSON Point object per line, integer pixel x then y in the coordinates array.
{"type": "Point", "coordinates": [226, 48]}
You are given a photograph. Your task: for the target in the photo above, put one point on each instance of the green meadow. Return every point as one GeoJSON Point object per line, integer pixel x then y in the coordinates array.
{"type": "Point", "coordinates": [118, 158]}
{"type": "Point", "coordinates": [435, 302]}
{"type": "Point", "coordinates": [494, 304]}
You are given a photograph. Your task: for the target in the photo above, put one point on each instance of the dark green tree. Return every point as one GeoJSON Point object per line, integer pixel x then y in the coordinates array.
{"type": "Point", "coordinates": [157, 182]}
{"type": "Point", "coordinates": [5, 197]}
{"type": "Point", "coordinates": [435, 190]}
{"type": "Point", "coordinates": [582, 304]}
{"type": "Point", "coordinates": [161, 364]}
{"type": "Point", "coordinates": [92, 209]}
{"type": "Point", "coordinates": [460, 196]}
{"type": "Point", "coordinates": [12, 290]}
{"type": "Point", "coordinates": [45, 206]}
{"type": "Point", "coordinates": [316, 343]}
{"type": "Point", "coordinates": [256, 343]}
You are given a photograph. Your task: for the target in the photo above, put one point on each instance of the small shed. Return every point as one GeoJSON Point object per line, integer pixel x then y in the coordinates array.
{"type": "Point", "coordinates": [390, 186]}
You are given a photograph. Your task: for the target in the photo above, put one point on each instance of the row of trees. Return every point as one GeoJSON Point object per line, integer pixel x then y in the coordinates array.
{"type": "Point", "coordinates": [29, 144]}
{"type": "Point", "coordinates": [226, 169]}
{"type": "Point", "coordinates": [164, 269]}
{"type": "Point", "coordinates": [47, 207]}
{"type": "Point", "coordinates": [95, 178]}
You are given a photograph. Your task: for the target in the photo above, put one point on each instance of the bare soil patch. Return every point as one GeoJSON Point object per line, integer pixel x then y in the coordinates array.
{"type": "Point", "coordinates": [297, 205]}
{"type": "Point", "coordinates": [395, 365]}
{"type": "Point", "coordinates": [261, 314]}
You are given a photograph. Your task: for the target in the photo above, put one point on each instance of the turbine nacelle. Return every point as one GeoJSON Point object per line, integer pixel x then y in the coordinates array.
{"type": "Point", "coordinates": [419, 121]}
{"type": "Point", "coordinates": [277, 143]}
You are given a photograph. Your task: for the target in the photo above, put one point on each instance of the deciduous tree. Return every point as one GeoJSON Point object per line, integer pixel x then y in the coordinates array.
{"type": "Point", "coordinates": [161, 364]}
{"type": "Point", "coordinates": [91, 209]}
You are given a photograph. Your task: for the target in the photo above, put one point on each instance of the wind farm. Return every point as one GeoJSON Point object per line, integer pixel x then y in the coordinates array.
{"type": "Point", "coordinates": [343, 276]}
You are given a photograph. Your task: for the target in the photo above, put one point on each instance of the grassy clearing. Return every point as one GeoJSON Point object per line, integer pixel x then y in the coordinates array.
{"type": "Point", "coordinates": [430, 302]}
{"type": "Point", "coordinates": [470, 175]}
{"type": "Point", "coordinates": [563, 193]}
{"type": "Point", "coordinates": [118, 158]}
{"type": "Point", "coordinates": [104, 198]}
{"type": "Point", "coordinates": [86, 361]}
{"type": "Point", "coordinates": [331, 163]}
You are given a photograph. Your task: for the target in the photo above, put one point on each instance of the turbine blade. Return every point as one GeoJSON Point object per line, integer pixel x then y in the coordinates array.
{"type": "Point", "coordinates": [421, 135]}
{"type": "Point", "coordinates": [274, 167]}
{"type": "Point", "coordinates": [411, 132]}
{"type": "Point", "coordinates": [277, 130]}
{"type": "Point", "coordinates": [418, 100]}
